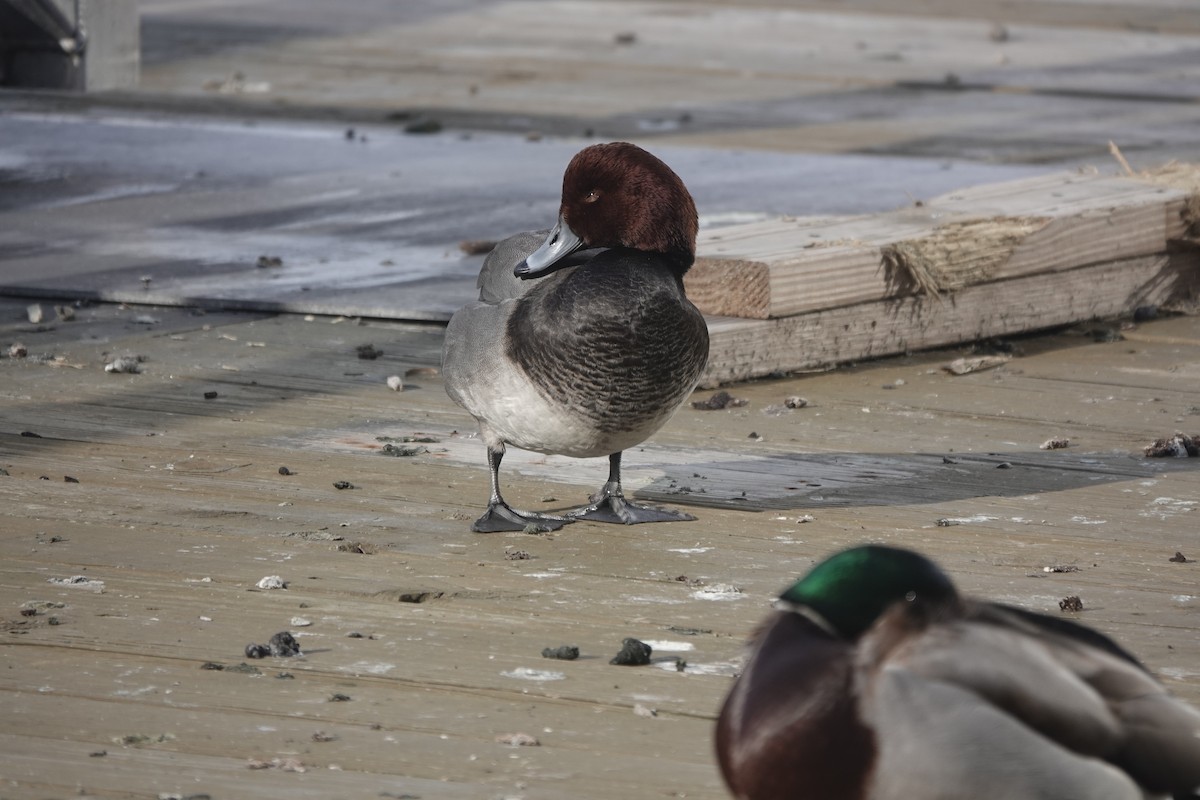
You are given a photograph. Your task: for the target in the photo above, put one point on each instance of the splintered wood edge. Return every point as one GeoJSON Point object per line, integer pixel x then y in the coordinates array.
{"type": "Point", "coordinates": [962, 253]}
{"type": "Point", "coordinates": [742, 349]}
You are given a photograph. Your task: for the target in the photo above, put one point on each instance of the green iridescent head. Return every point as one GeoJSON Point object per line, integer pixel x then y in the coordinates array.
{"type": "Point", "coordinates": [851, 589]}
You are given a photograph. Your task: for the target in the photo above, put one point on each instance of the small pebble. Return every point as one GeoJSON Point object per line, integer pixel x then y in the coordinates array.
{"type": "Point", "coordinates": [125, 364]}
{"type": "Point", "coordinates": [566, 652]}
{"type": "Point", "coordinates": [339, 485]}
{"type": "Point", "coordinates": [1179, 558]}
{"type": "Point", "coordinates": [1072, 603]}
{"type": "Point", "coordinates": [634, 653]}
{"type": "Point", "coordinates": [271, 582]}
{"type": "Point", "coordinates": [17, 350]}
{"type": "Point", "coordinates": [395, 383]}
{"type": "Point", "coordinates": [719, 401]}
{"type": "Point", "coordinates": [210, 395]}
{"type": "Point", "coordinates": [795, 402]}
{"type": "Point", "coordinates": [285, 471]}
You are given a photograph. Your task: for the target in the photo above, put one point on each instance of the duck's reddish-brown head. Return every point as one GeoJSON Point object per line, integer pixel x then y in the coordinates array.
{"type": "Point", "coordinates": [619, 195]}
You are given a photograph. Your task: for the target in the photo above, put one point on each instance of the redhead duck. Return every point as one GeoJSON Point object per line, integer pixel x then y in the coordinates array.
{"type": "Point", "coordinates": [876, 679]}
{"type": "Point", "coordinates": [578, 351]}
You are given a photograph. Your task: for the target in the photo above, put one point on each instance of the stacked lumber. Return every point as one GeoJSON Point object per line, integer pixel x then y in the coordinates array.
{"type": "Point", "coordinates": [803, 293]}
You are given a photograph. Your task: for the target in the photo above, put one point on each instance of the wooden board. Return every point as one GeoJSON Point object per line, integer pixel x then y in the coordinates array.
{"type": "Point", "coordinates": [179, 509]}
{"type": "Point", "coordinates": [742, 349]}
{"type": "Point", "coordinates": [1057, 222]}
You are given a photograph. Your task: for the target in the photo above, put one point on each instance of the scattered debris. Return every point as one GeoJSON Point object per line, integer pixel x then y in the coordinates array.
{"type": "Point", "coordinates": [1178, 446]}
{"type": "Point", "coordinates": [566, 652]}
{"type": "Point", "coordinates": [79, 582]}
{"type": "Point", "coordinates": [282, 764]}
{"type": "Point", "coordinates": [633, 653]}
{"type": "Point", "coordinates": [419, 596]}
{"type": "Point", "coordinates": [268, 262]}
{"type": "Point", "coordinates": [1072, 603]}
{"type": "Point", "coordinates": [361, 548]}
{"type": "Point", "coordinates": [399, 451]}
{"type": "Point", "coordinates": [322, 736]}
{"type": "Point", "coordinates": [242, 668]}
{"type": "Point", "coordinates": [644, 711]}
{"type": "Point", "coordinates": [477, 247]}
{"type": "Point", "coordinates": [1056, 443]}
{"type": "Point", "coordinates": [964, 366]}
{"type": "Point", "coordinates": [368, 352]}
{"type": "Point", "coordinates": [517, 555]}
{"type": "Point", "coordinates": [718, 591]}
{"type": "Point", "coordinates": [395, 383]}
{"type": "Point", "coordinates": [1061, 568]}
{"type": "Point", "coordinates": [271, 582]}
{"type": "Point", "coordinates": [127, 364]}
{"type": "Point", "coordinates": [144, 319]}
{"type": "Point", "coordinates": [686, 631]}
{"type": "Point", "coordinates": [139, 739]}
{"type": "Point", "coordinates": [518, 740]}
{"type": "Point", "coordinates": [281, 645]}
{"type": "Point", "coordinates": [17, 350]}
{"type": "Point", "coordinates": [718, 401]}
{"type": "Point", "coordinates": [423, 125]}
{"type": "Point", "coordinates": [1179, 558]}
{"type": "Point", "coordinates": [340, 485]}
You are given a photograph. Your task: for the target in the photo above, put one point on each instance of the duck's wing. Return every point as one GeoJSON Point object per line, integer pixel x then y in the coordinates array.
{"type": "Point", "coordinates": [1009, 705]}
{"type": "Point", "coordinates": [496, 279]}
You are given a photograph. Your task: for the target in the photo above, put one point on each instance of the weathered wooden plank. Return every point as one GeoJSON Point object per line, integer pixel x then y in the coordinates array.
{"type": "Point", "coordinates": [744, 349]}
{"type": "Point", "coordinates": [1056, 222]}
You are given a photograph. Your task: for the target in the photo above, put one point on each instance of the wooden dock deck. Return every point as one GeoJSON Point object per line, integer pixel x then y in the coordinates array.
{"type": "Point", "coordinates": [140, 511]}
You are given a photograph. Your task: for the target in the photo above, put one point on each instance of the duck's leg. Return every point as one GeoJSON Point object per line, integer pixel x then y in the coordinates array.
{"type": "Point", "coordinates": [610, 505]}
{"type": "Point", "coordinates": [500, 516]}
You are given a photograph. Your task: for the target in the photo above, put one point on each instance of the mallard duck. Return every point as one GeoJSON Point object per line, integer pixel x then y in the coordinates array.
{"type": "Point", "coordinates": [876, 679]}
{"type": "Point", "coordinates": [584, 352]}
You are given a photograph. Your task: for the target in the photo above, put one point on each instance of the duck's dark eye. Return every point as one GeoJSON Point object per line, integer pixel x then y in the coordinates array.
{"type": "Point", "coordinates": [592, 196]}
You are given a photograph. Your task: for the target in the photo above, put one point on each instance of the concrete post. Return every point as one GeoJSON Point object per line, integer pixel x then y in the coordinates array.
{"type": "Point", "coordinates": [98, 50]}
